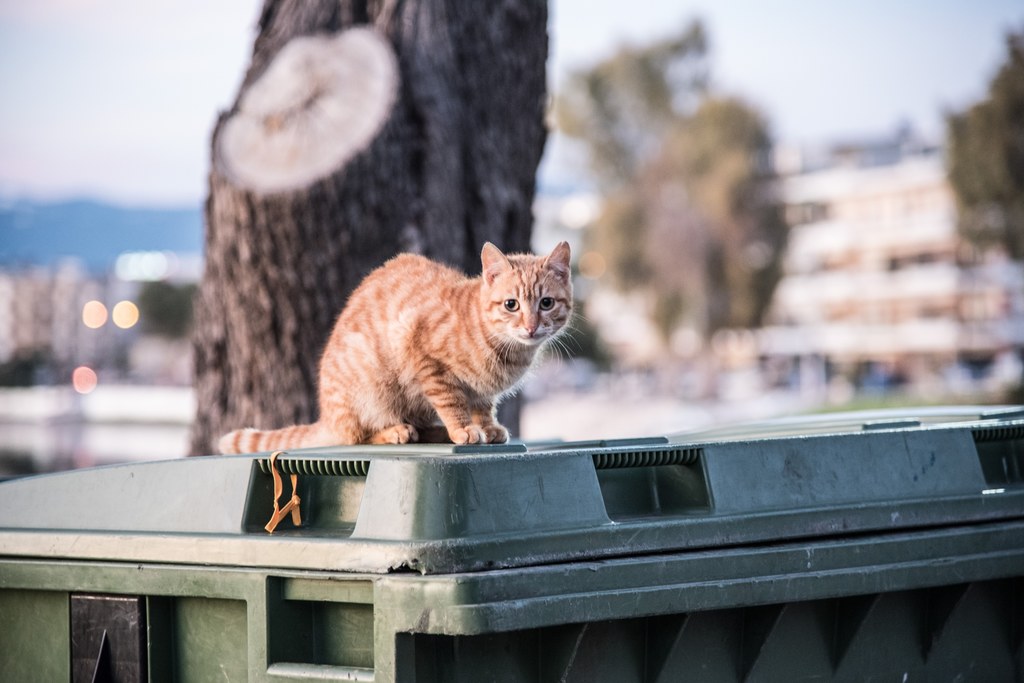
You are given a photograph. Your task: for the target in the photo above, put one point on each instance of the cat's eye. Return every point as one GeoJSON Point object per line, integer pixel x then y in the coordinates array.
{"type": "Point", "coordinates": [511, 305]}
{"type": "Point", "coordinates": [547, 303]}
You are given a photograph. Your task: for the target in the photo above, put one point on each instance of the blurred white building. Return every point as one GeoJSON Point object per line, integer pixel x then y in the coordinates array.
{"type": "Point", "coordinates": [41, 310]}
{"type": "Point", "coordinates": [879, 289]}
{"type": "Point", "coordinates": [42, 316]}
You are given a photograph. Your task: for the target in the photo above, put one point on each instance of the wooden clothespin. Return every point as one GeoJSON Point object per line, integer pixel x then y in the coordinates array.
{"type": "Point", "coordinates": [292, 506]}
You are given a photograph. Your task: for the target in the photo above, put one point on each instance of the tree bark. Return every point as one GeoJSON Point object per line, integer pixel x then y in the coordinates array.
{"type": "Point", "coordinates": [453, 166]}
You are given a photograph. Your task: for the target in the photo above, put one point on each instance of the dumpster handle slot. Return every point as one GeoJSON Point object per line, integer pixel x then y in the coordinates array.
{"type": "Point", "coordinates": [319, 467]}
{"type": "Point", "coordinates": [656, 456]}
{"type": "Point", "coordinates": [292, 506]}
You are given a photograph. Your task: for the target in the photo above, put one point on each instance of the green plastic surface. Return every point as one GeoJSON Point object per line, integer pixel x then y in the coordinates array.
{"type": "Point", "coordinates": [862, 549]}
{"type": "Point", "coordinates": [439, 509]}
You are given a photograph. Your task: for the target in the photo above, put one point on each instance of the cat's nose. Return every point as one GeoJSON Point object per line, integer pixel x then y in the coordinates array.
{"type": "Point", "coordinates": [531, 329]}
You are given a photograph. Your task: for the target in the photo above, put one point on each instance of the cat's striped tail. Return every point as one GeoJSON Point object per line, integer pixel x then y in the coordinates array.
{"type": "Point", "coordinates": [255, 440]}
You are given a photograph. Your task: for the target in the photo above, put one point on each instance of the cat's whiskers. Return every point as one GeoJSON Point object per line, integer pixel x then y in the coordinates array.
{"type": "Point", "coordinates": [577, 314]}
{"type": "Point", "coordinates": [559, 345]}
{"type": "Point", "coordinates": [504, 346]}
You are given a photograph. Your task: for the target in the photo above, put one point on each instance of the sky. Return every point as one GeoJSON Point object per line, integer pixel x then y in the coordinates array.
{"type": "Point", "coordinates": [116, 99]}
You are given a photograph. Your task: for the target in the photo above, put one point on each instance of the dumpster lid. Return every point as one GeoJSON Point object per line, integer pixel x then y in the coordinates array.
{"type": "Point", "coordinates": [442, 509]}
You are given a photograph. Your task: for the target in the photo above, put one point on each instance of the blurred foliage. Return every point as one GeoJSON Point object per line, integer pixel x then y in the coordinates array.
{"type": "Point", "coordinates": [689, 215]}
{"type": "Point", "coordinates": [986, 159]}
{"type": "Point", "coordinates": [625, 106]}
{"type": "Point", "coordinates": [14, 463]}
{"type": "Point", "coordinates": [23, 369]}
{"type": "Point", "coordinates": [582, 340]}
{"type": "Point", "coordinates": [166, 309]}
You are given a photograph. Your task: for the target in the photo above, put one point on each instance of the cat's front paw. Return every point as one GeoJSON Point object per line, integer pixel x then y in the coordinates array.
{"type": "Point", "coordinates": [467, 434]}
{"type": "Point", "coordinates": [398, 434]}
{"type": "Point", "coordinates": [495, 433]}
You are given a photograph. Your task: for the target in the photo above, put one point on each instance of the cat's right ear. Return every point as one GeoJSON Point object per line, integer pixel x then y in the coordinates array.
{"type": "Point", "coordinates": [558, 260]}
{"type": "Point", "coordinates": [494, 262]}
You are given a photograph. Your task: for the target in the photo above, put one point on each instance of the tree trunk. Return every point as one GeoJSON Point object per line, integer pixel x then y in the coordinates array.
{"type": "Point", "coordinates": [452, 166]}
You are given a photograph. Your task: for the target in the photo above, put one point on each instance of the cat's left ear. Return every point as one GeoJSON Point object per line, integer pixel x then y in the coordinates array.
{"type": "Point", "coordinates": [558, 260]}
{"type": "Point", "coordinates": [494, 262]}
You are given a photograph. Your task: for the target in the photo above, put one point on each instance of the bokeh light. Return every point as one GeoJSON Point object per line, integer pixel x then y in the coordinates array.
{"type": "Point", "coordinates": [84, 379]}
{"type": "Point", "coordinates": [144, 265]}
{"type": "Point", "coordinates": [94, 314]}
{"type": "Point", "coordinates": [579, 211]}
{"type": "Point", "coordinates": [125, 314]}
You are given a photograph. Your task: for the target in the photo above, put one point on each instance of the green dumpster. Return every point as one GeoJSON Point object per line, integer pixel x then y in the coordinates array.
{"type": "Point", "coordinates": [848, 548]}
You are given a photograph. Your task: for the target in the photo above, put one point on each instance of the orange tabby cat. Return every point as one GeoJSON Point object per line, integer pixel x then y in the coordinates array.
{"type": "Point", "coordinates": [418, 341]}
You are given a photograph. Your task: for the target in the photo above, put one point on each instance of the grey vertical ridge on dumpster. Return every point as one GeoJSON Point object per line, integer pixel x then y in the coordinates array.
{"type": "Point", "coordinates": [881, 548]}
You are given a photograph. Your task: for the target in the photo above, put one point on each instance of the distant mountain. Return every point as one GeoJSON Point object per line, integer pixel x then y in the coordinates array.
{"type": "Point", "coordinates": [34, 233]}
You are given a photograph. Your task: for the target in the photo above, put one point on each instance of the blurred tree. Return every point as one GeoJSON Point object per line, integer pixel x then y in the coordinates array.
{"type": "Point", "coordinates": [716, 231]}
{"type": "Point", "coordinates": [23, 369]}
{"type": "Point", "coordinates": [431, 143]}
{"type": "Point", "coordinates": [623, 107]}
{"type": "Point", "coordinates": [166, 309]}
{"type": "Point", "coordinates": [986, 165]}
{"type": "Point", "coordinates": [986, 159]}
{"type": "Point", "coordinates": [584, 342]}
{"type": "Point", "coordinates": [689, 215]}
